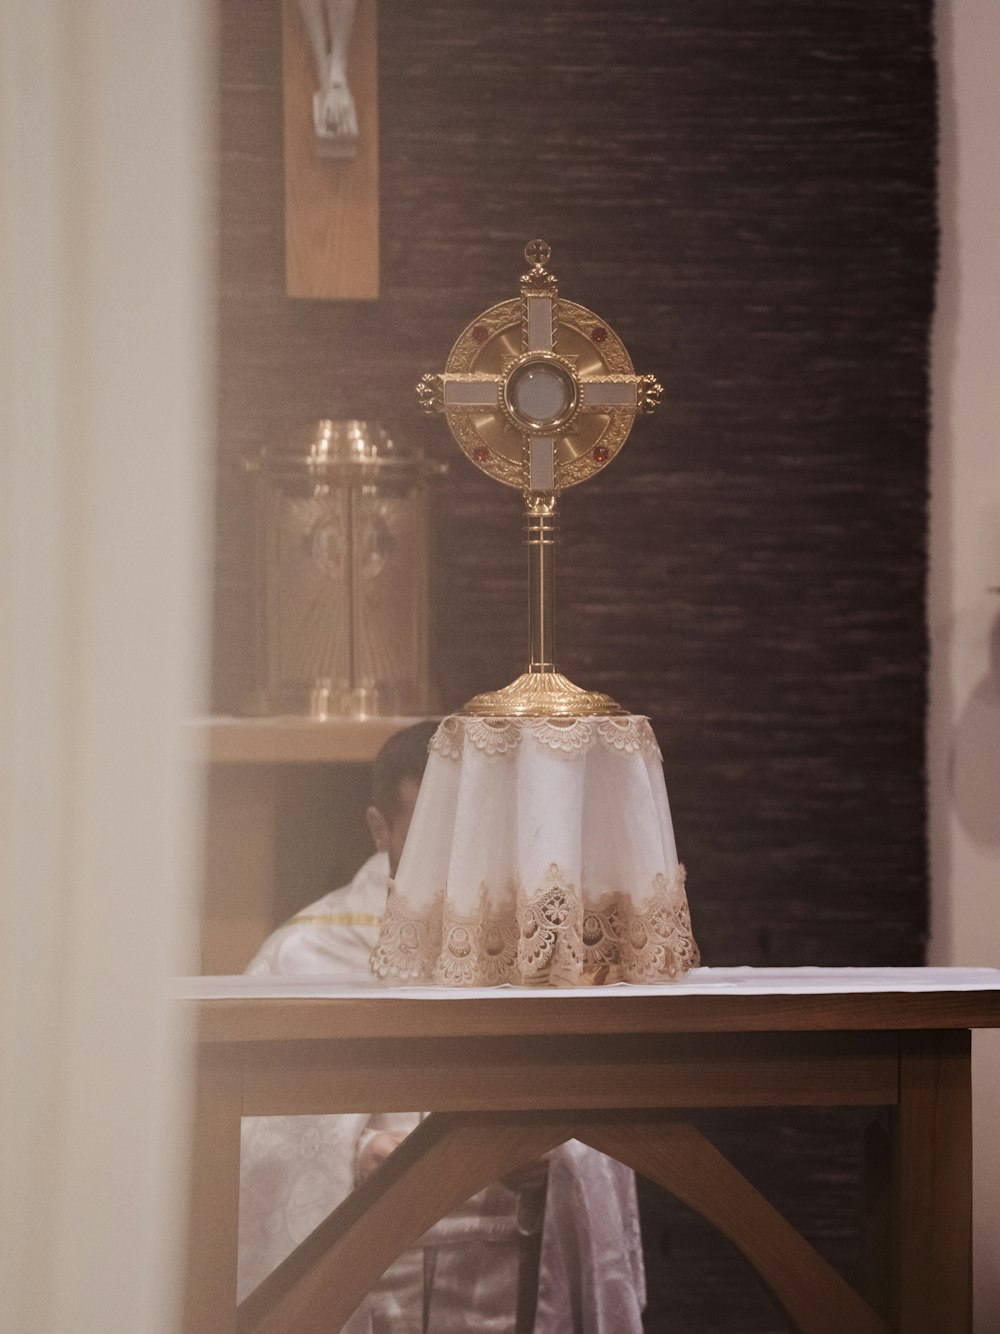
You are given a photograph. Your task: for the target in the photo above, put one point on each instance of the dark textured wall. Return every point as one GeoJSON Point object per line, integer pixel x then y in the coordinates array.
{"type": "Point", "coordinates": [745, 190]}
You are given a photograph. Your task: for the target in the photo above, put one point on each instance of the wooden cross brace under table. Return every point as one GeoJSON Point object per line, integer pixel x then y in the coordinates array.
{"type": "Point", "coordinates": [508, 1074]}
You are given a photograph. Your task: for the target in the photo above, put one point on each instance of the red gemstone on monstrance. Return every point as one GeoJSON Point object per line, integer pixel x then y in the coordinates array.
{"type": "Point", "coordinates": [599, 333]}
{"type": "Point", "coordinates": [600, 453]}
{"type": "Point", "coordinates": [481, 454]}
{"type": "Point", "coordinates": [480, 333]}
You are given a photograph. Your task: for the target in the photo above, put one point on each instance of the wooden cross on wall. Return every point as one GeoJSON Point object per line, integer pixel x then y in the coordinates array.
{"type": "Point", "coordinates": [331, 205]}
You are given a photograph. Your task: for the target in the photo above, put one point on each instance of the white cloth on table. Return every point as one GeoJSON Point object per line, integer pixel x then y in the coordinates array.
{"type": "Point", "coordinates": [540, 850]}
{"type": "Point", "coordinates": [295, 1170]}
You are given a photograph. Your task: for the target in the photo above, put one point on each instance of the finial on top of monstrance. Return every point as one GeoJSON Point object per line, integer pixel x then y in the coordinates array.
{"type": "Point", "coordinates": [540, 394]}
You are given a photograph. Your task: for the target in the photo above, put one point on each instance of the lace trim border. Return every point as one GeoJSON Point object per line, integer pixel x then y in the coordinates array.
{"type": "Point", "coordinates": [628, 735]}
{"type": "Point", "coordinates": [549, 936]}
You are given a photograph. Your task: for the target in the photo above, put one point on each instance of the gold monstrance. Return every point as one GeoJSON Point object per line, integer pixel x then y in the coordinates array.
{"type": "Point", "coordinates": [540, 394]}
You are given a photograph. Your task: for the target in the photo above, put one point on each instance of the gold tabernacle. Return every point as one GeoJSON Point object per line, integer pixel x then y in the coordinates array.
{"type": "Point", "coordinates": [540, 394]}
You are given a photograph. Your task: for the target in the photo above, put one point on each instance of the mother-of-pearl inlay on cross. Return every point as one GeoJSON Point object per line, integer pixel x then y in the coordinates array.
{"type": "Point", "coordinates": [540, 394]}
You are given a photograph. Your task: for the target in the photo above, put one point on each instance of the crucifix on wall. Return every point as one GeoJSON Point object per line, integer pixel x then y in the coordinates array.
{"type": "Point", "coordinates": [331, 149]}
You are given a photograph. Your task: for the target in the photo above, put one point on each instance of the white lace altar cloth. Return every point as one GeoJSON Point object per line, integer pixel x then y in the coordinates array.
{"type": "Point", "coordinates": [541, 851]}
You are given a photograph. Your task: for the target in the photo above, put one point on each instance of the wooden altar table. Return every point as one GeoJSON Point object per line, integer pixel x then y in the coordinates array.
{"type": "Point", "coordinates": [509, 1073]}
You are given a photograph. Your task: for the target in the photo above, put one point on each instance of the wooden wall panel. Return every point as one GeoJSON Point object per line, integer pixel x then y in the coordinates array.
{"type": "Point", "coordinates": [746, 192]}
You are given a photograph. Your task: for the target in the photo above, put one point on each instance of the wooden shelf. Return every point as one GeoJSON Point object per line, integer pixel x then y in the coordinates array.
{"type": "Point", "coordinates": [294, 740]}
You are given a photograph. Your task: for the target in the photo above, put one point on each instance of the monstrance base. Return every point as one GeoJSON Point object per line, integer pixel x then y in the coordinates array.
{"type": "Point", "coordinates": [540, 695]}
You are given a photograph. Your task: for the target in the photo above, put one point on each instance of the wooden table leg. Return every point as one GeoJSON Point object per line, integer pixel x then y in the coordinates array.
{"type": "Point", "coordinates": [212, 1240]}
{"type": "Point", "coordinates": [933, 1170]}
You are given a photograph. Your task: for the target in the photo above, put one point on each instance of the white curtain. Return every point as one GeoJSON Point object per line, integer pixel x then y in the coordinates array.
{"type": "Point", "coordinates": [105, 148]}
{"type": "Point", "coordinates": [964, 611]}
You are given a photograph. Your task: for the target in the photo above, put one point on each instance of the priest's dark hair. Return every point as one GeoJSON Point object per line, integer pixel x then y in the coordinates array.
{"type": "Point", "coordinates": [403, 756]}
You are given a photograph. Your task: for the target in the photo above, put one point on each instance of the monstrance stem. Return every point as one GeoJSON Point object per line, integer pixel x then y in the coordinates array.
{"type": "Point", "coordinates": [540, 529]}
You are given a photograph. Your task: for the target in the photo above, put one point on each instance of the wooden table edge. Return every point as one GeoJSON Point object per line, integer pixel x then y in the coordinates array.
{"type": "Point", "coordinates": [252, 1019]}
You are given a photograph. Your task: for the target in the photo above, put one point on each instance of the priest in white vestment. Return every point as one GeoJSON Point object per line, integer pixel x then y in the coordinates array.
{"type": "Point", "coordinates": [466, 1272]}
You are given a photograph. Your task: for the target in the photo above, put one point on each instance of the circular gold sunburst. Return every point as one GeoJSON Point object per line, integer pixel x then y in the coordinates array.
{"type": "Point", "coordinates": [493, 344]}
{"type": "Point", "coordinates": [534, 372]}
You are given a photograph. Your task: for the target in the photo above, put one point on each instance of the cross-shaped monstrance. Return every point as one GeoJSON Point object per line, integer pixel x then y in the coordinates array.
{"type": "Point", "coordinates": [540, 394]}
